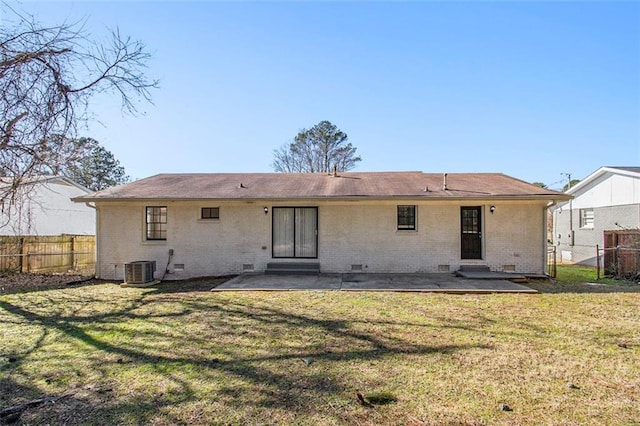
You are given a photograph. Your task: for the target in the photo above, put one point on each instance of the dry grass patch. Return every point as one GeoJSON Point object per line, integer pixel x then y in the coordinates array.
{"type": "Point", "coordinates": [164, 356]}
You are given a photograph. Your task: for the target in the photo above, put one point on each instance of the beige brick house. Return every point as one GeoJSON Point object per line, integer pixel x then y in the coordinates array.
{"type": "Point", "coordinates": [219, 224]}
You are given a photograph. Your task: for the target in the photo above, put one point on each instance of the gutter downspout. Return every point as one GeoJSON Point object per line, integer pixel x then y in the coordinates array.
{"type": "Point", "coordinates": [545, 215]}
{"type": "Point", "coordinates": [571, 233]}
{"type": "Point", "coordinates": [97, 267]}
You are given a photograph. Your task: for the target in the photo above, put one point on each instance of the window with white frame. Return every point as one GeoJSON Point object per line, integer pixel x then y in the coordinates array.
{"type": "Point", "coordinates": [586, 218]}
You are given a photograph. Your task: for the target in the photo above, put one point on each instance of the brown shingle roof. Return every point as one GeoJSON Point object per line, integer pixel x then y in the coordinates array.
{"type": "Point", "coordinates": [227, 186]}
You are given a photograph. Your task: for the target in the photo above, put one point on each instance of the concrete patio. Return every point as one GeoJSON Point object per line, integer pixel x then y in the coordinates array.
{"type": "Point", "coordinates": [440, 283]}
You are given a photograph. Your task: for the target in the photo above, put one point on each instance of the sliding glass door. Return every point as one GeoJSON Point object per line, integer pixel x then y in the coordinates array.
{"type": "Point", "coordinates": [295, 232]}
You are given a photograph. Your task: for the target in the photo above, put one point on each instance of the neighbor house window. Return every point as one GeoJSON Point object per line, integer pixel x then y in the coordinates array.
{"type": "Point", "coordinates": [156, 221]}
{"type": "Point", "coordinates": [406, 218]}
{"type": "Point", "coordinates": [586, 218]}
{"type": "Point", "coordinates": [210, 213]}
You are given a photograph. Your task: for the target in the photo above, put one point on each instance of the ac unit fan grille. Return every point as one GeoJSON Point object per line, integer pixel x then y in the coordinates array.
{"type": "Point", "coordinates": [139, 272]}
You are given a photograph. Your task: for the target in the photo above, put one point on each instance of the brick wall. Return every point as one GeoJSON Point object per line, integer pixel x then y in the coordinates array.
{"type": "Point", "coordinates": [349, 233]}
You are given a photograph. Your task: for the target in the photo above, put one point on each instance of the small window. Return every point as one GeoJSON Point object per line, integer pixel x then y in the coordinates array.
{"type": "Point", "coordinates": [586, 218]}
{"type": "Point", "coordinates": [209, 213]}
{"type": "Point", "coordinates": [156, 221]}
{"type": "Point", "coordinates": [406, 218]}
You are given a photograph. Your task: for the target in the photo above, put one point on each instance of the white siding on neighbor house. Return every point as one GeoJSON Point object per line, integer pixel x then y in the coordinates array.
{"type": "Point", "coordinates": [48, 210]}
{"type": "Point", "coordinates": [349, 233]}
{"type": "Point", "coordinates": [612, 198]}
{"type": "Point", "coordinates": [607, 190]}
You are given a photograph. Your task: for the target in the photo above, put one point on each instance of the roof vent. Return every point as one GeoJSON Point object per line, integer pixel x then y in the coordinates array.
{"type": "Point", "coordinates": [335, 170]}
{"type": "Point", "coordinates": [444, 182]}
{"type": "Point", "coordinates": [241, 185]}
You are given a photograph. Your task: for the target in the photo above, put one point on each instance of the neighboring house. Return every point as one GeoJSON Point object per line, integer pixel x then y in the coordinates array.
{"type": "Point", "coordinates": [608, 199]}
{"type": "Point", "coordinates": [218, 224]}
{"type": "Point", "coordinates": [42, 206]}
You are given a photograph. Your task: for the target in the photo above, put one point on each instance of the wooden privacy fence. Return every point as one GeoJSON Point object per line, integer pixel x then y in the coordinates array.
{"type": "Point", "coordinates": [621, 253]}
{"type": "Point", "coordinates": [60, 253]}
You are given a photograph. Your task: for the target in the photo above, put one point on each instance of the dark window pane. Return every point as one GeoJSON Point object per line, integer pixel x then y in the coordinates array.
{"type": "Point", "coordinates": [295, 232]}
{"type": "Point", "coordinates": [210, 213]}
{"type": "Point", "coordinates": [406, 217]}
{"type": "Point", "coordinates": [156, 223]}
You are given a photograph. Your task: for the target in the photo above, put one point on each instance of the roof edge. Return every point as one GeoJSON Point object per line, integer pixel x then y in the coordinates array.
{"type": "Point", "coordinates": [41, 179]}
{"type": "Point", "coordinates": [598, 173]}
{"type": "Point", "coordinates": [559, 197]}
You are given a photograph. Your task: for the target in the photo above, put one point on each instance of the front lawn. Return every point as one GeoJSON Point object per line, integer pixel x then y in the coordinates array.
{"type": "Point", "coordinates": [111, 355]}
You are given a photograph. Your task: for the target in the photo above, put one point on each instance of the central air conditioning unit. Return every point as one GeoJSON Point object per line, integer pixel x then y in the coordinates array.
{"type": "Point", "coordinates": [139, 272]}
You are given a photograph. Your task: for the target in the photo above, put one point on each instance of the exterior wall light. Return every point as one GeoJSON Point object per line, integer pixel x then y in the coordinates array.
{"type": "Point", "coordinates": [492, 209]}
{"type": "Point", "coordinates": [266, 210]}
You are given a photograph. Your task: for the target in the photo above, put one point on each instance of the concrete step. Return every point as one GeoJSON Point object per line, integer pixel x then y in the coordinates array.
{"type": "Point", "coordinates": [483, 272]}
{"type": "Point", "coordinates": [292, 268]}
{"type": "Point", "coordinates": [484, 275]}
{"type": "Point", "coordinates": [291, 272]}
{"type": "Point", "coordinates": [474, 268]}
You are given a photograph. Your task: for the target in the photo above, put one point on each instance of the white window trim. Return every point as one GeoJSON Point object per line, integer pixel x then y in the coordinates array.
{"type": "Point", "coordinates": [145, 240]}
{"type": "Point", "coordinates": [584, 219]}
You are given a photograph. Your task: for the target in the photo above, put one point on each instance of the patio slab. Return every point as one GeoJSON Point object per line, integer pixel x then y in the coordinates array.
{"type": "Point", "coordinates": [443, 283]}
{"type": "Point", "coordinates": [260, 281]}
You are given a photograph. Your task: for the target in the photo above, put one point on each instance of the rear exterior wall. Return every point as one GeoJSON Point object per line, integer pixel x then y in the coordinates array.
{"type": "Point", "coordinates": [350, 235]}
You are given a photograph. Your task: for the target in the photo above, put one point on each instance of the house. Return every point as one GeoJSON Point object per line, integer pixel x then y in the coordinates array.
{"type": "Point", "coordinates": [42, 206]}
{"type": "Point", "coordinates": [608, 199]}
{"type": "Point", "coordinates": [218, 224]}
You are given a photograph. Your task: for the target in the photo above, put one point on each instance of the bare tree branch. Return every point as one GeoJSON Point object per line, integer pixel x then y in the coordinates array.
{"type": "Point", "coordinates": [48, 75]}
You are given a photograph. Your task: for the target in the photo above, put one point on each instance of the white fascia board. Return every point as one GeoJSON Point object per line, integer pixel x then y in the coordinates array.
{"type": "Point", "coordinates": [599, 173]}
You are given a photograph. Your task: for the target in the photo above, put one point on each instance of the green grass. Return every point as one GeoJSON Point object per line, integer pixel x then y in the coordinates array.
{"type": "Point", "coordinates": [581, 274]}
{"type": "Point", "coordinates": [183, 355]}
{"type": "Point", "coordinates": [582, 279]}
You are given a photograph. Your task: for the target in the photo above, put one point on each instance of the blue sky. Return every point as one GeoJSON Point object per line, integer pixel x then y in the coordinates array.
{"type": "Point", "coordinates": [530, 89]}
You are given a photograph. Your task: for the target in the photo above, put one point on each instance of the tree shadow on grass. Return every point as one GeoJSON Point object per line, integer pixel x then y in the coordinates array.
{"type": "Point", "coordinates": [88, 404]}
{"type": "Point", "coordinates": [276, 378]}
{"type": "Point", "coordinates": [202, 284]}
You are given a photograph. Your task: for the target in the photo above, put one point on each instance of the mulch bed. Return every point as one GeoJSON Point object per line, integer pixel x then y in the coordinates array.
{"type": "Point", "coordinates": [11, 282]}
